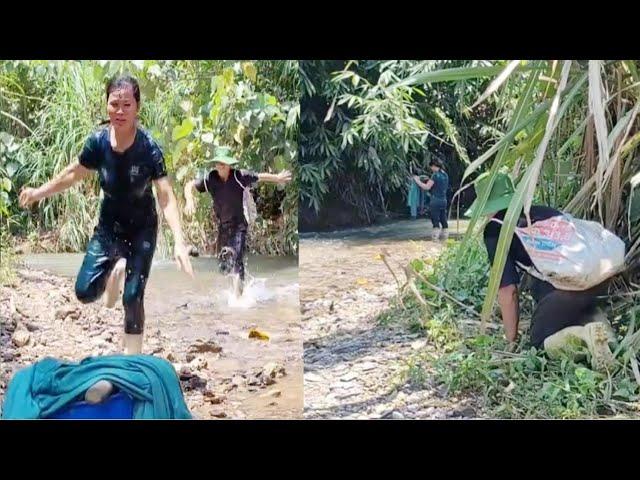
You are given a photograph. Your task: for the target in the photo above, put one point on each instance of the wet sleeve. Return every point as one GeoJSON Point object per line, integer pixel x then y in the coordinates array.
{"type": "Point", "coordinates": [510, 275]}
{"type": "Point", "coordinates": [248, 178]}
{"type": "Point", "coordinates": [158, 167]}
{"type": "Point", "coordinates": [90, 154]}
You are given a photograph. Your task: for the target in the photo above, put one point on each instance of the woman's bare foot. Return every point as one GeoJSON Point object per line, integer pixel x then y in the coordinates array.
{"type": "Point", "coordinates": [115, 283]}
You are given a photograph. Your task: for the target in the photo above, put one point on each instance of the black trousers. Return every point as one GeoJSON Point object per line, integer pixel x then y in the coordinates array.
{"type": "Point", "coordinates": [439, 216]}
{"type": "Point", "coordinates": [105, 248]}
{"type": "Point", "coordinates": [559, 309]}
{"type": "Point", "coordinates": [234, 236]}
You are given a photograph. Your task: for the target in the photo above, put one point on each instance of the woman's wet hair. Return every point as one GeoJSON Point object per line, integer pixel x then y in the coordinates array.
{"type": "Point", "coordinates": [116, 83]}
{"type": "Point", "coordinates": [436, 162]}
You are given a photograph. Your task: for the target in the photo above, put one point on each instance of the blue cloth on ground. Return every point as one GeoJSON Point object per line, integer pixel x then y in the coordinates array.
{"type": "Point", "coordinates": [46, 387]}
{"type": "Point", "coordinates": [118, 406]}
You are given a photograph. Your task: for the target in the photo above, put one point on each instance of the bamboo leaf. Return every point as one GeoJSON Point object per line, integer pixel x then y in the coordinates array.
{"type": "Point", "coordinates": [516, 124]}
{"type": "Point", "coordinates": [522, 198]}
{"type": "Point", "coordinates": [497, 82]}
{"type": "Point", "coordinates": [596, 107]}
{"type": "Point", "coordinates": [457, 74]}
{"type": "Point", "coordinates": [555, 114]}
{"type": "Point", "coordinates": [452, 133]}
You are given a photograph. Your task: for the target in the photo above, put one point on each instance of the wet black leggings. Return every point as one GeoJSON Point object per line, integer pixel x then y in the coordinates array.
{"type": "Point", "coordinates": [104, 250]}
{"type": "Point", "coordinates": [560, 309]}
{"type": "Point", "coordinates": [234, 236]}
{"type": "Point", "coordinates": [439, 216]}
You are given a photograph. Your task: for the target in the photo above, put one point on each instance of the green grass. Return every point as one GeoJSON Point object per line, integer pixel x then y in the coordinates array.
{"type": "Point", "coordinates": [7, 259]}
{"type": "Point", "coordinates": [521, 384]}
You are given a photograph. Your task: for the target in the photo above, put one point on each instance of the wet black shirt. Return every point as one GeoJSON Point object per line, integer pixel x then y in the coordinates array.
{"type": "Point", "coordinates": [227, 196]}
{"type": "Point", "coordinates": [125, 179]}
{"type": "Point", "coordinates": [517, 252]}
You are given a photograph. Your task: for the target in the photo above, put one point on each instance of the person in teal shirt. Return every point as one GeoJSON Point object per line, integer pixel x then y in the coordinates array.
{"type": "Point", "coordinates": [437, 186]}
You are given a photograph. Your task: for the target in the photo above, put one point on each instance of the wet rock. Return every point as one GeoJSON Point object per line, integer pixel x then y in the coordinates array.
{"type": "Point", "coordinates": [171, 357]}
{"type": "Point", "coordinates": [198, 363]}
{"type": "Point", "coordinates": [190, 357]}
{"type": "Point", "coordinates": [8, 357]}
{"type": "Point", "coordinates": [273, 370]}
{"type": "Point", "coordinates": [254, 380]}
{"type": "Point", "coordinates": [184, 372]}
{"type": "Point", "coordinates": [229, 388]}
{"type": "Point", "coordinates": [383, 410]}
{"type": "Point", "coordinates": [397, 416]}
{"type": "Point", "coordinates": [266, 380]}
{"type": "Point", "coordinates": [194, 383]}
{"type": "Point", "coordinates": [202, 347]}
{"type": "Point", "coordinates": [349, 376]}
{"type": "Point", "coordinates": [212, 397]}
{"type": "Point", "coordinates": [419, 344]}
{"type": "Point", "coordinates": [20, 338]}
{"type": "Point", "coordinates": [107, 336]}
{"type": "Point", "coordinates": [218, 414]}
{"type": "Point", "coordinates": [238, 381]}
{"type": "Point", "coordinates": [272, 393]}
{"type": "Point", "coordinates": [349, 392]}
{"type": "Point", "coordinates": [441, 391]}
{"type": "Point", "coordinates": [313, 377]}
{"type": "Point", "coordinates": [31, 327]}
{"type": "Point", "coordinates": [430, 411]}
{"type": "Point", "coordinates": [67, 311]}
{"type": "Point", "coordinates": [367, 366]}
{"type": "Point", "coordinates": [467, 412]}
{"type": "Point", "coordinates": [400, 398]}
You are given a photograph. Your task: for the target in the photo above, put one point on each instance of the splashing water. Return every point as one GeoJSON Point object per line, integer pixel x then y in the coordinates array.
{"type": "Point", "coordinates": [255, 291]}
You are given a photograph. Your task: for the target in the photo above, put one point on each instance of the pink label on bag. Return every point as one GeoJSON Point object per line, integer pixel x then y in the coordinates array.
{"type": "Point", "coordinates": [558, 230]}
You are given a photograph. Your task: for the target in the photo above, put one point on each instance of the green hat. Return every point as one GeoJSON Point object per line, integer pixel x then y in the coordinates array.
{"type": "Point", "coordinates": [223, 155]}
{"type": "Point", "coordinates": [500, 195]}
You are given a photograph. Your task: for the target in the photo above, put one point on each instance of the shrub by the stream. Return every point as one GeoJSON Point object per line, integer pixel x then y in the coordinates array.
{"type": "Point", "coordinates": [524, 383]}
{"type": "Point", "coordinates": [7, 258]}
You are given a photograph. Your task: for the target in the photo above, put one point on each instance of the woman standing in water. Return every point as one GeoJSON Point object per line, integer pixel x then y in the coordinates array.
{"type": "Point", "coordinates": [437, 185]}
{"type": "Point", "coordinates": [128, 161]}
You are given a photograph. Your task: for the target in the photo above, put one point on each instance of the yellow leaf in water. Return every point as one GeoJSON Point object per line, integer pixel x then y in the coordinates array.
{"type": "Point", "coordinates": [362, 281]}
{"type": "Point", "coordinates": [378, 257]}
{"type": "Point", "coordinates": [253, 333]}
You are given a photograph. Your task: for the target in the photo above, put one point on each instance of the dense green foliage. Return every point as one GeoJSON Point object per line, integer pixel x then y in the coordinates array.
{"type": "Point", "coordinates": [47, 109]}
{"type": "Point", "coordinates": [360, 139]}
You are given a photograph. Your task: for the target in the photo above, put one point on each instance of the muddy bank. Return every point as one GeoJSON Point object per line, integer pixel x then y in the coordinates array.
{"type": "Point", "coordinates": [355, 365]}
{"type": "Point", "coordinates": [223, 372]}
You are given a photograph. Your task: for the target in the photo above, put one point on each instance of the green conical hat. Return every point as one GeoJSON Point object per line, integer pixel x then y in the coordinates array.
{"type": "Point", "coordinates": [499, 198]}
